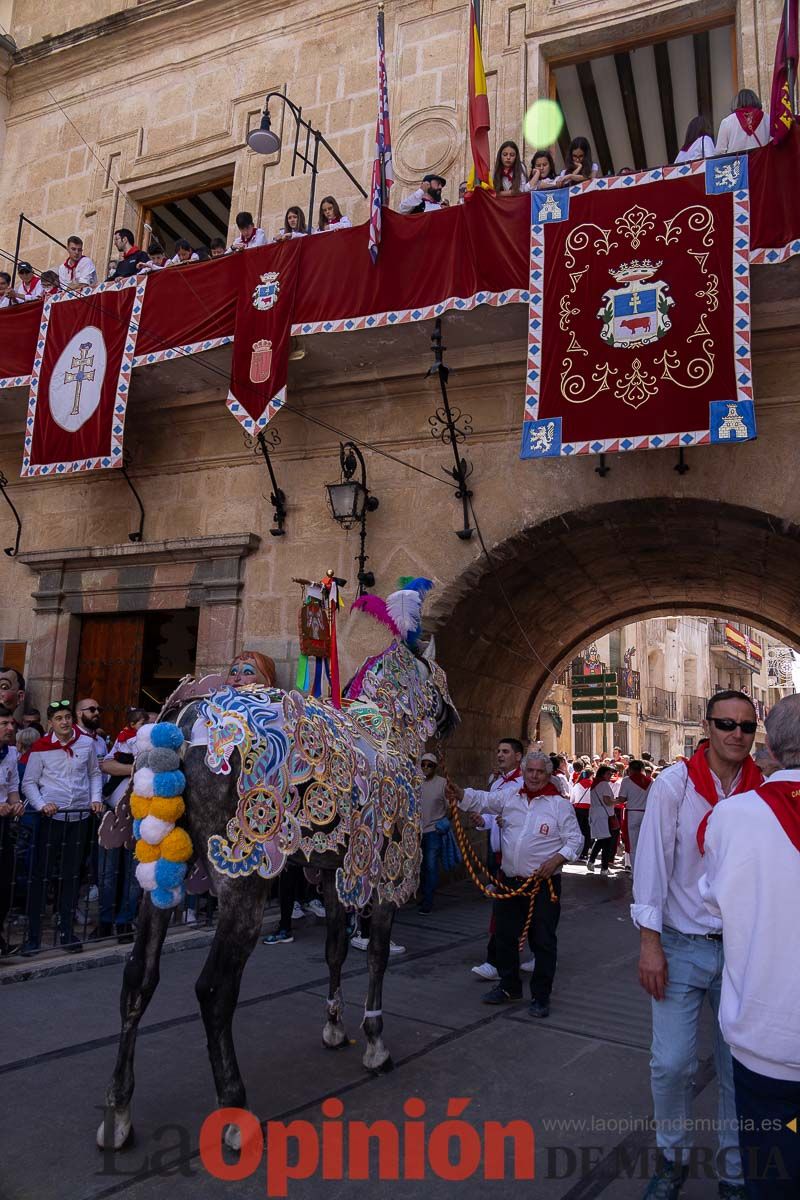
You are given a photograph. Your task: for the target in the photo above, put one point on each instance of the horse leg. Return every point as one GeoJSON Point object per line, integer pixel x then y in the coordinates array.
{"type": "Point", "coordinates": [139, 982]}
{"type": "Point", "coordinates": [241, 907]}
{"type": "Point", "coordinates": [334, 1034]}
{"type": "Point", "coordinates": [376, 1056]}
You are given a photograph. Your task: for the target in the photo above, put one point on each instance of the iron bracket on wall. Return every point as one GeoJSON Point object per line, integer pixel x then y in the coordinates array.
{"type": "Point", "coordinates": [138, 534]}
{"type": "Point", "coordinates": [453, 426]}
{"type": "Point", "coordinates": [261, 444]}
{"type": "Point", "coordinates": [11, 551]}
{"type": "Point", "coordinates": [681, 466]}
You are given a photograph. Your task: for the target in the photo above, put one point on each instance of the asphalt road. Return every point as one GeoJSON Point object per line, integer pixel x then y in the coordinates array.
{"type": "Point", "coordinates": [578, 1081]}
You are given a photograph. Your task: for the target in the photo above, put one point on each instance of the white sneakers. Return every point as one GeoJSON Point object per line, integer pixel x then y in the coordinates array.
{"type": "Point", "coordinates": [361, 943]}
{"type": "Point", "coordinates": [297, 912]}
{"type": "Point", "coordinates": [317, 908]}
{"type": "Point", "coordinates": [486, 972]}
{"type": "Point", "coordinates": [590, 867]}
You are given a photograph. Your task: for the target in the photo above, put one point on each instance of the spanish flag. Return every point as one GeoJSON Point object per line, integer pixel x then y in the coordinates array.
{"type": "Point", "coordinates": [480, 174]}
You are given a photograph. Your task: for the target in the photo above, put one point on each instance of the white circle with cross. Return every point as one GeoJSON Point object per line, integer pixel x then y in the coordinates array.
{"type": "Point", "coordinates": [76, 382]}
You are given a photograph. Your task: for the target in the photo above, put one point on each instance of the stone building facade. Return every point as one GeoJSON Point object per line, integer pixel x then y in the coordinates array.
{"type": "Point", "coordinates": [109, 106]}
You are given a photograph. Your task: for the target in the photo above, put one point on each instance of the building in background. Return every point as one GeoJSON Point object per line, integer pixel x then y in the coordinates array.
{"type": "Point", "coordinates": [667, 668]}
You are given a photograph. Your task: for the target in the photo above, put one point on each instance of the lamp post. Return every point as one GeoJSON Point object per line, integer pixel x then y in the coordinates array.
{"type": "Point", "coordinates": [350, 502]}
{"type": "Point", "coordinates": [264, 140]}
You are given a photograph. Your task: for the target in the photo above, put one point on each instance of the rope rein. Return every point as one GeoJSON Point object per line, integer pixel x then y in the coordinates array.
{"type": "Point", "coordinates": [497, 889]}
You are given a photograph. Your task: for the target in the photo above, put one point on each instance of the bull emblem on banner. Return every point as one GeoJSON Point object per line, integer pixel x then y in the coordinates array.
{"type": "Point", "coordinates": [265, 294]}
{"type": "Point", "coordinates": [261, 361]}
{"type": "Point", "coordinates": [636, 314]}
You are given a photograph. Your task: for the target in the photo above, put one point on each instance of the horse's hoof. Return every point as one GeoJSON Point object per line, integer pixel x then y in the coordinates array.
{"type": "Point", "coordinates": [334, 1037]}
{"type": "Point", "coordinates": [341, 1045]}
{"type": "Point", "coordinates": [232, 1137]}
{"type": "Point", "coordinates": [115, 1133]}
{"type": "Point", "coordinates": [382, 1068]}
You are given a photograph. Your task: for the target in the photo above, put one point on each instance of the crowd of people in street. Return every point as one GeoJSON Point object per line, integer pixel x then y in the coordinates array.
{"type": "Point", "coordinates": [745, 128]}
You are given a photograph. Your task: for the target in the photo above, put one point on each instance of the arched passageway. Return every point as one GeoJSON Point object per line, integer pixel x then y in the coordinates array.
{"type": "Point", "coordinates": [576, 576]}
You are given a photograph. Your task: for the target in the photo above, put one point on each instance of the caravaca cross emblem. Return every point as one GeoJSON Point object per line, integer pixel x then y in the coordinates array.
{"type": "Point", "coordinates": [634, 314]}
{"type": "Point", "coordinates": [265, 294]}
{"type": "Point", "coordinates": [80, 374]}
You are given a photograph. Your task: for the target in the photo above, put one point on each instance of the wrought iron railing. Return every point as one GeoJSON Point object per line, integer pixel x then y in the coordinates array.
{"type": "Point", "coordinates": [661, 703]}
{"type": "Point", "coordinates": [694, 709]}
{"type": "Point", "coordinates": [629, 684]}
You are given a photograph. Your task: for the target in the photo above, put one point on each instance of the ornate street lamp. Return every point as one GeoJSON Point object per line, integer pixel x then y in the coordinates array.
{"type": "Point", "coordinates": [350, 502]}
{"type": "Point", "coordinates": [265, 140]}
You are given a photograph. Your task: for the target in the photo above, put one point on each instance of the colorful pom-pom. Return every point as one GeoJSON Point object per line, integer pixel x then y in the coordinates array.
{"type": "Point", "coordinates": [143, 781]}
{"type": "Point", "coordinates": [140, 806]}
{"type": "Point", "coordinates": [161, 760]}
{"type": "Point", "coordinates": [143, 736]}
{"type": "Point", "coordinates": [146, 876]}
{"type": "Point", "coordinates": [166, 736]}
{"type": "Point", "coordinates": [170, 875]}
{"type": "Point", "coordinates": [168, 783]}
{"type": "Point", "coordinates": [154, 831]}
{"type": "Point", "coordinates": [177, 846]}
{"type": "Point", "coordinates": [146, 853]}
{"type": "Point", "coordinates": [137, 829]}
{"type": "Point", "coordinates": [164, 898]}
{"type": "Point", "coordinates": [167, 808]}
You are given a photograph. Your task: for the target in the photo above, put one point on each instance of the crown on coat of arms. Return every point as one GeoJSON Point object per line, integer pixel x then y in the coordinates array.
{"type": "Point", "coordinates": [634, 272]}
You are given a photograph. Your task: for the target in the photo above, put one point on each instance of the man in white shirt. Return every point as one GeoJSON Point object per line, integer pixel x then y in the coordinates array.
{"type": "Point", "coordinates": [250, 235]}
{"type": "Point", "coordinates": [426, 198]}
{"type": "Point", "coordinates": [508, 757]}
{"type": "Point", "coordinates": [183, 254]}
{"type": "Point", "coordinates": [680, 963]}
{"type": "Point", "coordinates": [77, 270]}
{"type": "Point", "coordinates": [63, 784]}
{"type": "Point", "coordinates": [10, 809]}
{"type": "Point", "coordinates": [30, 285]}
{"type": "Point", "coordinates": [539, 834]}
{"type": "Point", "coordinates": [633, 790]}
{"type": "Point", "coordinates": [752, 882]}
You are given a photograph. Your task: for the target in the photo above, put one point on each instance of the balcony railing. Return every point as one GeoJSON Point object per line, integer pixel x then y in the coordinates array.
{"type": "Point", "coordinates": [628, 684]}
{"type": "Point", "coordinates": [694, 709]}
{"type": "Point", "coordinates": [661, 703]}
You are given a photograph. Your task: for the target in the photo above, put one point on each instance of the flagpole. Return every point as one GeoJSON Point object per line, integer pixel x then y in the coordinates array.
{"type": "Point", "coordinates": [791, 63]}
{"type": "Point", "coordinates": [382, 37]}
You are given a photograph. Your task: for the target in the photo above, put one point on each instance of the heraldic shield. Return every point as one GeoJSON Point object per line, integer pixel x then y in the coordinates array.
{"type": "Point", "coordinates": [261, 361]}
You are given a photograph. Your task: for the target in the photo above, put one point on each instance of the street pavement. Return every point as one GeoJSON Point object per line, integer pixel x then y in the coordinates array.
{"type": "Point", "coordinates": [585, 1067]}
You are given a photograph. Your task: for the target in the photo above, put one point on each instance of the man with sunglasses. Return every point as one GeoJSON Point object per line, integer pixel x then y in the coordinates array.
{"type": "Point", "coordinates": [88, 720]}
{"type": "Point", "coordinates": [63, 783]}
{"type": "Point", "coordinates": [681, 961]}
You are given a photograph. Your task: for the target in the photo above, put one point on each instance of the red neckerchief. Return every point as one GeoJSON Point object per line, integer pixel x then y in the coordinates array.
{"type": "Point", "coordinates": [783, 797]}
{"type": "Point", "coordinates": [27, 290]}
{"type": "Point", "coordinates": [133, 250]}
{"type": "Point", "coordinates": [247, 240]}
{"type": "Point", "coordinates": [700, 776]}
{"type": "Point", "coordinates": [70, 265]}
{"type": "Point", "coordinates": [749, 118]}
{"type": "Point", "coordinates": [126, 734]}
{"type": "Point", "coordinates": [51, 742]}
{"type": "Point", "coordinates": [640, 779]}
{"type": "Point", "coordinates": [52, 291]}
{"type": "Point", "coordinates": [515, 774]}
{"type": "Point", "coordinates": [547, 790]}
{"type": "Point", "coordinates": [508, 173]}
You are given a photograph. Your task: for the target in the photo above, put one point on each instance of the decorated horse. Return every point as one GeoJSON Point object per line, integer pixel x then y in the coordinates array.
{"type": "Point", "coordinates": [272, 777]}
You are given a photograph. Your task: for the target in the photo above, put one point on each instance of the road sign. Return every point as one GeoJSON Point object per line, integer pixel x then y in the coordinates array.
{"type": "Point", "coordinates": [599, 693]}
{"type": "Point", "coordinates": [606, 718]}
{"type": "Point", "coordinates": [588, 680]}
{"type": "Point", "coordinates": [593, 705]}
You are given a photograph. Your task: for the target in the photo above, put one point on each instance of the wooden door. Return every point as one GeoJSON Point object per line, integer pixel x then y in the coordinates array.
{"type": "Point", "coordinates": [110, 665]}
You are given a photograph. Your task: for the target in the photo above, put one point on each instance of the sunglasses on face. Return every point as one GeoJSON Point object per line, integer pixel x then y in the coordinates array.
{"type": "Point", "coordinates": [727, 724]}
{"type": "Point", "coordinates": [91, 708]}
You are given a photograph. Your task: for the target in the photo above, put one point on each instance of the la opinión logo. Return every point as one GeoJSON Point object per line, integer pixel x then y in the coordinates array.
{"type": "Point", "coordinates": [454, 1149]}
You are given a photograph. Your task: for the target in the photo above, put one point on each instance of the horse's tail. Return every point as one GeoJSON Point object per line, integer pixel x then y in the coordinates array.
{"type": "Point", "coordinates": [162, 847]}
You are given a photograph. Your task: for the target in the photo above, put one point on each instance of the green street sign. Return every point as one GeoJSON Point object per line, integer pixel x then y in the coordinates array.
{"type": "Point", "coordinates": [600, 692]}
{"type": "Point", "coordinates": [606, 718]}
{"type": "Point", "coordinates": [593, 705]}
{"type": "Point", "coordinates": [589, 680]}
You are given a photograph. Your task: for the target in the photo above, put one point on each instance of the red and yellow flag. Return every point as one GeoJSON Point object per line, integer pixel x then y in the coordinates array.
{"type": "Point", "coordinates": [480, 173]}
{"type": "Point", "coordinates": [781, 115]}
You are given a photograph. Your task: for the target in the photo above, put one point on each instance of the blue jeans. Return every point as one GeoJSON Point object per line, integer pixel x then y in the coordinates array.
{"type": "Point", "coordinates": [116, 877]}
{"type": "Point", "coordinates": [695, 973]}
{"type": "Point", "coordinates": [431, 853]}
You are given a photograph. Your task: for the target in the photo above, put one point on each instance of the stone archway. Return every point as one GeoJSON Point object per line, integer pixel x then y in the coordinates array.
{"type": "Point", "coordinates": [578, 575]}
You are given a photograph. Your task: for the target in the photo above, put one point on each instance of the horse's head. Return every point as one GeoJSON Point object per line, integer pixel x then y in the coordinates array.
{"type": "Point", "coordinates": [428, 669]}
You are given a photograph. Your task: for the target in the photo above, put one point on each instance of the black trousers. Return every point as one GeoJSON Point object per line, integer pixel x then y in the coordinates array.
{"type": "Point", "coordinates": [770, 1156]}
{"type": "Point", "coordinates": [59, 853]}
{"type": "Point", "coordinates": [582, 815]}
{"type": "Point", "coordinates": [6, 868]}
{"type": "Point", "coordinates": [608, 847]}
{"type": "Point", "coordinates": [510, 916]}
{"type": "Point", "coordinates": [291, 887]}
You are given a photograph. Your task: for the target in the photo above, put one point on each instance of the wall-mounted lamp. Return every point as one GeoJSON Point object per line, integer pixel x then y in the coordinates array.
{"type": "Point", "coordinates": [350, 502]}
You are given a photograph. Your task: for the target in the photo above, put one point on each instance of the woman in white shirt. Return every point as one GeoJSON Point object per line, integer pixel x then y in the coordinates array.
{"type": "Point", "coordinates": [330, 217]}
{"type": "Point", "coordinates": [601, 817]}
{"type": "Point", "coordinates": [294, 225]}
{"type": "Point", "coordinates": [543, 171]}
{"type": "Point", "coordinates": [578, 165]}
{"type": "Point", "coordinates": [508, 177]}
{"type": "Point", "coordinates": [698, 142]}
{"type": "Point", "coordinates": [747, 126]}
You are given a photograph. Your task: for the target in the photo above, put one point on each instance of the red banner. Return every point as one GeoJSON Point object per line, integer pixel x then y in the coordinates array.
{"type": "Point", "coordinates": [266, 303]}
{"type": "Point", "coordinates": [81, 380]}
{"type": "Point", "coordinates": [640, 313]}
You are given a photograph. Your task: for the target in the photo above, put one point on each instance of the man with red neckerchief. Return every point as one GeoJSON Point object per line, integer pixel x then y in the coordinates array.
{"type": "Point", "coordinates": [539, 834]}
{"type": "Point", "coordinates": [681, 960]}
{"type": "Point", "coordinates": [77, 270]}
{"type": "Point", "coordinates": [752, 881]}
{"type": "Point", "coordinates": [130, 258]}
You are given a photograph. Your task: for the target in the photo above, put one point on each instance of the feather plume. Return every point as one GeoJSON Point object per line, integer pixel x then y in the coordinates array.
{"type": "Point", "coordinates": [420, 584]}
{"type": "Point", "coordinates": [376, 607]}
{"type": "Point", "coordinates": [405, 608]}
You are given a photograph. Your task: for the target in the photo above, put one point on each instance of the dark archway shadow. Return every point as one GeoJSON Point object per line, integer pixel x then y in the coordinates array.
{"type": "Point", "coordinates": [578, 575]}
